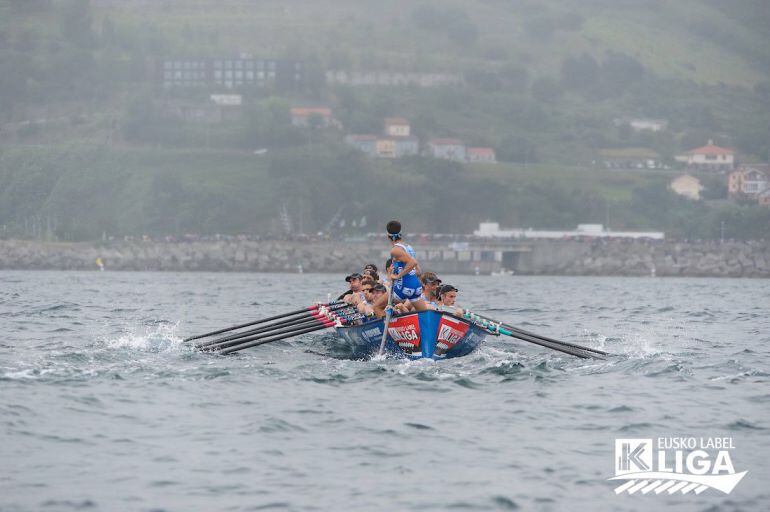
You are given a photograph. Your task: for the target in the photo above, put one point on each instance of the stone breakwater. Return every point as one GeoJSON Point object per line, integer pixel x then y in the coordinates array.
{"type": "Point", "coordinates": [646, 258]}
{"type": "Point", "coordinates": [592, 257]}
{"type": "Point", "coordinates": [216, 256]}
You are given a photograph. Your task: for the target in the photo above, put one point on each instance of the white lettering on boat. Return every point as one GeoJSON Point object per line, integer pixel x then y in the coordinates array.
{"type": "Point", "coordinates": [405, 331]}
{"type": "Point", "coordinates": [450, 332]}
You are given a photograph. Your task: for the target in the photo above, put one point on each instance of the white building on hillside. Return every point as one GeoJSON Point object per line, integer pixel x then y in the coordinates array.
{"type": "Point", "coordinates": [709, 158]}
{"type": "Point", "coordinates": [492, 230]}
{"type": "Point", "coordinates": [687, 186]}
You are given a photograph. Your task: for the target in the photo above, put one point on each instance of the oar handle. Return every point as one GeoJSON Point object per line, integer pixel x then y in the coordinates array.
{"type": "Point", "coordinates": [300, 317]}
{"type": "Point", "coordinates": [255, 343]}
{"type": "Point", "coordinates": [315, 317]}
{"type": "Point", "coordinates": [314, 307]}
{"type": "Point", "coordinates": [224, 343]}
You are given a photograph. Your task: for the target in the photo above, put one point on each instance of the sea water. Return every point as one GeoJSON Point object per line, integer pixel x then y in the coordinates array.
{"type": "Point", "coordinates": [102, 407]}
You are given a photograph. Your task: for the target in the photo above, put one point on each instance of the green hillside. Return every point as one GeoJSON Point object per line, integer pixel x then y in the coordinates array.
{"type": "Point", "coordinates": [700, 40]}
{"type": "Point", "coordinates": [77, 193]}
{"type": "Point", "coordinates": [542, 82]}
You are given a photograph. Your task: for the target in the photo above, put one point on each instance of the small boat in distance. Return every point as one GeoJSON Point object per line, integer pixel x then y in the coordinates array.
{"type": "Point", "coordinates": [424, 334]}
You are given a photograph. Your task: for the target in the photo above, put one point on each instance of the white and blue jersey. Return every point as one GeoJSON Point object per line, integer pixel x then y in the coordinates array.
{"type": "Point", "coordinates": [429, 302]}
{"type": "Point", "coordinates": [409, 286]}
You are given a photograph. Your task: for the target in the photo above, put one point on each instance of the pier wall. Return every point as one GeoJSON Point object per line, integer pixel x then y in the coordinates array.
{"type": "Point", "coordinates": [589, 257]}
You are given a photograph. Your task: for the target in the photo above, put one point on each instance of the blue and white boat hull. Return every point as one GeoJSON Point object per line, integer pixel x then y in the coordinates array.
{"type": "Point", "coordinates": [427, 334]}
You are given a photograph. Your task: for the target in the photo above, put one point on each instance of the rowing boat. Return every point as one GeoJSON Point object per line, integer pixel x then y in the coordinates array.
{"type": "Point", "coordinates": [425, 334]}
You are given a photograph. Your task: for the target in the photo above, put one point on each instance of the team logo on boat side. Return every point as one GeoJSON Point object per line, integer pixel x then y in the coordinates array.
{"type": "Point", "coordinates": [405, 331]}
{"type": "Point", "coordinates": [375, 333]}
{"type": "Point", "coordinates": [450, 332]}
{"type": "Point", "coordinates": [675, 464]}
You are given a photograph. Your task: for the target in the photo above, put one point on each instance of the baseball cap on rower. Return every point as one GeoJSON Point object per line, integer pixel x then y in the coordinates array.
{"type": "Point", "coordinates": [446, 289]}
{"type": "Point", "coordinates": [429, 278]}
{"type": "Point", "coordinates": [379, 287]}
{"type": "Point", "coordinates": [354, 275]}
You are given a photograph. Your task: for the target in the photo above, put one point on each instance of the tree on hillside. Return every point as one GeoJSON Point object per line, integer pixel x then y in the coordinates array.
{"type": "Point", "coordinates": [620, 70]}
{"type": "Point", "coordinates": [580, 73]}
{"type": "Point", "coordinates": [546, 89]}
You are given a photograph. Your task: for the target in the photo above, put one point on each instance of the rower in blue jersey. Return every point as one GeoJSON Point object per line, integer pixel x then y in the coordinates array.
{"type": "Point", "coordinates": [404, 276]}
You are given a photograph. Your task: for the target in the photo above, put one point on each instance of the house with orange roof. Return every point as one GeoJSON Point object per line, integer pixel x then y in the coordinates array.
{"type": "Point", "coordinates": [447, 149]}
{"type": "Point", "coordinates": [301, 116]}
{"type": "Point", "coordinates": [481, 155]}
{"type": "Point", "coordinates": [709, 158]}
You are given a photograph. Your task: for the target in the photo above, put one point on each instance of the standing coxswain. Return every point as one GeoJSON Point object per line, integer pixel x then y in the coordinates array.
{"type": "Point", "coordinates": [404, 274]}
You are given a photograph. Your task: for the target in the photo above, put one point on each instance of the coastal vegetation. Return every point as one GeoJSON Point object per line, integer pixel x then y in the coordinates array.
{"type": "Point", "coordinates": [79, 193]}
{"type": "Point", "coordinates": [89, 147]}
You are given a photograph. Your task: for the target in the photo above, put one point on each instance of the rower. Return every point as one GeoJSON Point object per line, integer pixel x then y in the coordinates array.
{"type": "Point", "coordinates": [388, 269]}
{"type": "Point", "coordinates": [368, 272]}
{"type": "Point", "coordinates": [374, 305]}
{"type": "Point", "coordinates": [430, 284]}
{"type": "Point", "coordinates": [365, 304]}
{"type": "Point", "coordinates": [354, 280]}
{"type": "Point", "coordinates": [406, 283]}
{"type": "Point", "coordinates": [378, 293]}
{"type": "Point", "coordinates": [447, 296]}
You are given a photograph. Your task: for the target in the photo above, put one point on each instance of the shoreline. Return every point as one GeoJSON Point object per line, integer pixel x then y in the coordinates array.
{"type": "Point", "coordinates": [540, 257]}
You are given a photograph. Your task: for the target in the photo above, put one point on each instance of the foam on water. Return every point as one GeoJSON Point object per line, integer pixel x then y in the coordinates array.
{"type": "Point", "coordinates": [161, 337]}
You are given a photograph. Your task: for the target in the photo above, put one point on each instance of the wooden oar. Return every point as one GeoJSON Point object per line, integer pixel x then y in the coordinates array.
{"type": "Point", "coordinates": [300, 317]}
{"type": "Point", "coordinates": [561, 346]}
{"type": "Point", "coordinates": [264, 320]}
{"type": "Point", "coordinates": [388, 316]}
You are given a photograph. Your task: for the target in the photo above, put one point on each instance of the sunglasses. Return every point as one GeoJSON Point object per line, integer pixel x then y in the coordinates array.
{"type": "Point", "coordinates": [367, 289]}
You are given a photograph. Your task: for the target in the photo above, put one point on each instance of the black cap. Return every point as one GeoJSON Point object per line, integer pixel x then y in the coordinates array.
{"type": "Point", "coordinates": [446, 289]}
{"type": "Point", "coordinates": [354, 275]}
{"type": "Point", "coordinates": [393, 227]}
{"type": "Point", "coordinates": [370, 266]}
{"type": "Point", "coordinates": [379, 287]}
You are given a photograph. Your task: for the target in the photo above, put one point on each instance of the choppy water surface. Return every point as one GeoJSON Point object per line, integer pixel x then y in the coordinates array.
{"type": "Point", "coordinates": [102, 407]}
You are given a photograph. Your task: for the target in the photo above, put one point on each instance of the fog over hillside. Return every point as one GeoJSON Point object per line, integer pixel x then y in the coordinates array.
{"type": "Point", "coordinates": [163, 117]}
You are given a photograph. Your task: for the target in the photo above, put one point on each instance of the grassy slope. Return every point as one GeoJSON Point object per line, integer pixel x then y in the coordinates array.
{"type": "Point", "coordinates": [95, 189]}
{"type": "Point", "coordinates": [383, 34]}
{"type": "Point", "coordinates": [129, 191]}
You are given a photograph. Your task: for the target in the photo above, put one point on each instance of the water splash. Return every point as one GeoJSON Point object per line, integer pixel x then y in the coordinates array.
{"type": "Point", "coordinates": [160, 337]}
